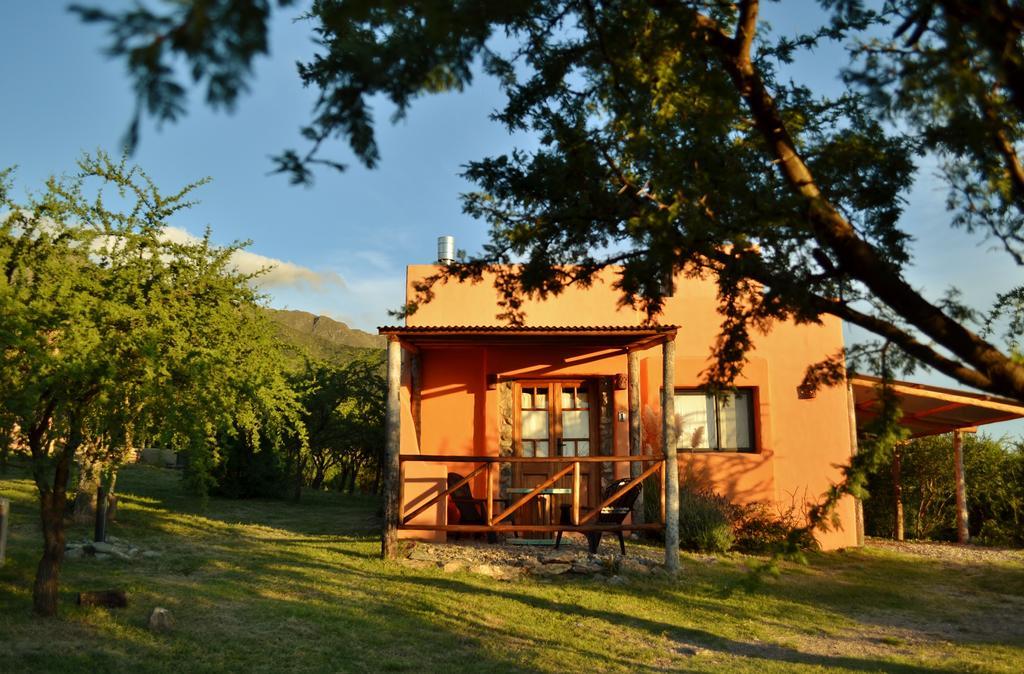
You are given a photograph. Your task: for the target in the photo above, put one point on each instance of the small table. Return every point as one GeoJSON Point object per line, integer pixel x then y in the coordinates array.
{"type": "Point", "coordinates": [542, 500]}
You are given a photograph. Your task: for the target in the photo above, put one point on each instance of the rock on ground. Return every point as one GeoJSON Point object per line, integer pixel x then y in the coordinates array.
{"type": "Point", "coordinates": [497, 571]}
{"type": "Point", "coordinates": [161, 620]}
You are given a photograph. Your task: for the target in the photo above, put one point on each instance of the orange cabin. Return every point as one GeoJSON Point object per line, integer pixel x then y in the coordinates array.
{"type": "Point", "coordinates": [548, 405]}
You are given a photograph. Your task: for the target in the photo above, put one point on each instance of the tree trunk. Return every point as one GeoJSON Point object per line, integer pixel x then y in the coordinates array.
{"type": "Point", "coordinates": [897, 495]}
{"type": "Point", "coordinates": [299, 470]}
{"type": "Point", "coordinates": [44, 593]}
{"type": "Point", "coordinates": [351, 478]}
{"type": "Point", "coordinates": [319, 475]}
{"type": "Point", "coordinates": [5, 449]}
{"type": "Point", "coordinates": [90, 475]}
{"type": "Point", "coordinates": [378, 469]}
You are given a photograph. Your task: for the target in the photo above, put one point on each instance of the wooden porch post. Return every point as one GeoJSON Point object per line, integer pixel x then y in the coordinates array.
{"type": "Point", "coordinates": [962, 534]}
{"type": "Point", "coordinates": [858, 504]}
{"type": "Point", "coordinates": [668, 444]}
{"type": "Point", "coordinates": [635, 448]}
{"type": "Point", "coordinates": [392, 439]}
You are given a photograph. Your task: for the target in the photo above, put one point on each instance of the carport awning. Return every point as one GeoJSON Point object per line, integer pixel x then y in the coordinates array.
{"type": "Point", "coordinates": [931, 410]}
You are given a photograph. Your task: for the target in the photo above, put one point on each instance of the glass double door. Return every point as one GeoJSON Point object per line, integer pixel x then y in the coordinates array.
{"type": "Point", "coordinates": [556, 419]}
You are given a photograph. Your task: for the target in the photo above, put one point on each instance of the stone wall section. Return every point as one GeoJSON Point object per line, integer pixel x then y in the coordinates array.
{"type": "Point", "coordinates": [506, 433]}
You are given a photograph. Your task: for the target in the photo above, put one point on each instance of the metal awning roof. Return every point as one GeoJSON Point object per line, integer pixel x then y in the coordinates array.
{"type": "Point", "coordinates": [931, 410]}
{"type": "Point", "coordinates": [596, 336]}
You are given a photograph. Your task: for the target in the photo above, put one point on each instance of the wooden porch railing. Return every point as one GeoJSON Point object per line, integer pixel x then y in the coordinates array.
{"type": "Point", "coordinates": [494, 521]}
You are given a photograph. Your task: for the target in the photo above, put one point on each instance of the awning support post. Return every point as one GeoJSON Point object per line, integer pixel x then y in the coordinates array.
{"type": "Point", "coordinates": [963, 536]}
{"type": "Point", "coordinates": [858, 504]}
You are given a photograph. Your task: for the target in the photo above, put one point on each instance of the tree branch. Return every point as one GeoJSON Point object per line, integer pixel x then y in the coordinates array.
{"type": "Point", "coordinates": [857, 257]}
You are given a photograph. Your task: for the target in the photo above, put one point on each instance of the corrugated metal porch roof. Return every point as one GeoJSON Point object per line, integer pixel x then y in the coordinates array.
{"type": "Point", "coordinates": [625, 336]}
{"type": "Point", "coordinates": [931, 410]}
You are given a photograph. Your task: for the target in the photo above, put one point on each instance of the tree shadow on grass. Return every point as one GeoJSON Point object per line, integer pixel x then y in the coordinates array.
{"type": "Point", "coordinates": [682, 636]}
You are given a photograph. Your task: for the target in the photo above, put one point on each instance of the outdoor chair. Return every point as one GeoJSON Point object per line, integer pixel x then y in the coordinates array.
{"type": "Point", "coordinates": [613, 513]}
{"type": "Point", "coordinates": [471, 510]}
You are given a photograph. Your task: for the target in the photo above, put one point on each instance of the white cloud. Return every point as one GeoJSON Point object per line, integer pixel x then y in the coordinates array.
{"type": "Point", "coordinates": [279, 274]}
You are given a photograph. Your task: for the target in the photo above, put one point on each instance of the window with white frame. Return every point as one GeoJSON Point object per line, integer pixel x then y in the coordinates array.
{"type": "Point", "coordinates": [722, 423]}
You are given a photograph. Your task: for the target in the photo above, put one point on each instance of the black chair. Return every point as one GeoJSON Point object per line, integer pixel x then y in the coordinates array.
{"type": "Point", "coordinates": [471, 510]}
{"type": "Point", "coordinates": [614, 513]}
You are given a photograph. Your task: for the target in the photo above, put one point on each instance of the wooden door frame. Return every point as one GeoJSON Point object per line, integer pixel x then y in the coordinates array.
{"type": "Point", "coordinates": [593, 383]}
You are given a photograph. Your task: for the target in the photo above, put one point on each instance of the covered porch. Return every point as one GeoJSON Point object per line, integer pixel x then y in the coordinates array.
{"type": "Point", "coordinates": [541, 487]}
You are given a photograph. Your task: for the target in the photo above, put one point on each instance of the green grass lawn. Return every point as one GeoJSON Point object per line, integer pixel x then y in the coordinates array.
{"type": "Point", "coordinates": [277, 586]}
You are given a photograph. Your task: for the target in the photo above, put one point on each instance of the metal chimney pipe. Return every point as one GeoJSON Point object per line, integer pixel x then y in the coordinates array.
{"type": "Point", "coordinates": [445, 249]}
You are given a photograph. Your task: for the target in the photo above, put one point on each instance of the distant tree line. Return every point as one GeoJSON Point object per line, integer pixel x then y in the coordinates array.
{"type": "Point", "coordinates": [112, 332]}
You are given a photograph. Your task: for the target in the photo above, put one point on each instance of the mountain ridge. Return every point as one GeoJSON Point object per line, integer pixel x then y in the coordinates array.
{"type": "Point", "coordinates": [323, 337]}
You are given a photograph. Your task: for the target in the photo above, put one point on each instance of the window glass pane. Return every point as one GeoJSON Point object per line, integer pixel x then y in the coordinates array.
{"type": "Point", "coordinates": [540, 397]}
{"type": "Point", "coordinates": [583, 448]}
{"type": "Point", "coordinates": [527, 448]}
{"type": "Point", "coordinates": [735, 420]}
{"type": "Point", "coordinates": [535, 425]}
{"type": "Point", "coordinates": [542, 448]}
{"type": "Point", "coordinates": [567, 398]}
{"type": "Point", "coordinates": [567, 448]}
{"type": "Point", "coordinates": [714, 442]}
{"type": "Point", "coordinates": [692, 413]}
{"type": "Point", "coordinates": [581, 398]}
{"type": "Point", "coordinates": [576, 424]}
{"type": "Point", "coordinates": [527, 398]}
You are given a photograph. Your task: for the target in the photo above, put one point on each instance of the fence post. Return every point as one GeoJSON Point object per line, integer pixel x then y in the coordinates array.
{"type": "Point", "coordinates": [5, 515]}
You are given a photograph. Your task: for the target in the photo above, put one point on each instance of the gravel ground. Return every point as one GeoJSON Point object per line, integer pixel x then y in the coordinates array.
{"type": "Point", "coordinates": [949, 552]}
{"type": "Point", "coordinates": [480, 552]}
{"type": "Point", "coordinates": [573, 545]}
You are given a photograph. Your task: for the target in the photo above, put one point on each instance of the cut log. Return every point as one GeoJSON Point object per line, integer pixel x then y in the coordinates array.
{"type": "Point", "coordinates": [105, 598]}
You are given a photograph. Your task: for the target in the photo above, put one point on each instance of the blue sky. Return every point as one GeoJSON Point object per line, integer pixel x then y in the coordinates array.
{"type": "Point", "coordinates": [351, 235]}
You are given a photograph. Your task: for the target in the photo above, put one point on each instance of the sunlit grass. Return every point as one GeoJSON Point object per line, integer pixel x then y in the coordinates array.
{"type": "Point", "coordinates": [272, 586]}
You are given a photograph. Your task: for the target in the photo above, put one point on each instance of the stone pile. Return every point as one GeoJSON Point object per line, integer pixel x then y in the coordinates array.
{"type": "Point", "coordinates": [112, 548]}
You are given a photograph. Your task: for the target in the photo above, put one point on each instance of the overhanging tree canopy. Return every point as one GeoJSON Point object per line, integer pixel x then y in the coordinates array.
{"type": "Point", "coordinates": [669, 142]}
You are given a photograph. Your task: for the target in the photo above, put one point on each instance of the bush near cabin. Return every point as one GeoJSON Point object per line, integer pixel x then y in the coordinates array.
{"type": "Point", "coordinates": [709, 522]}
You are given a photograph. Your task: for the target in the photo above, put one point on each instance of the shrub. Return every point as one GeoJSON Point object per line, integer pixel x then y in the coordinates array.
{"type": "Point", "coordinates": [758, 531]}
{"type": "Point", "coordinates": [997, 534]}
{"type": "Point", "coordinates": [705, 521]}
{"type": "Point", "coordinates": [247, 472]}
